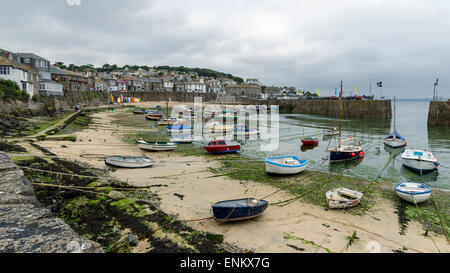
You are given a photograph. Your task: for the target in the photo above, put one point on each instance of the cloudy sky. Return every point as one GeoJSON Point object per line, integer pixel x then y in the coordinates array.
{"type": "Point", "coordinates": [307, 44]}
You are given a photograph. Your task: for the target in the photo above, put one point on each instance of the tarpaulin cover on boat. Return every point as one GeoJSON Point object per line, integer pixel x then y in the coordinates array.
{"type": "Point", "coordinates": [397, 135]}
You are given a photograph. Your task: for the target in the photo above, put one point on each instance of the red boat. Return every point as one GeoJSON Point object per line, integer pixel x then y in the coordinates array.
{"type": "Point", "coordinates": [310, 141]}
{"type": "Point", "coordinates": [221, 147]}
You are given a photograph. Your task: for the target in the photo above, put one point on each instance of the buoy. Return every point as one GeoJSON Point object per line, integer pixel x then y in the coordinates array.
{"type": "Point", "coordinates": [255, 202]}
{"type": "Point", "coordinates": [353, 154]}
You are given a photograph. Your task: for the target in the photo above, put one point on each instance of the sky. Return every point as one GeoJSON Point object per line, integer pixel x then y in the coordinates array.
{"type": "Point", "coordinates": [311, 45]}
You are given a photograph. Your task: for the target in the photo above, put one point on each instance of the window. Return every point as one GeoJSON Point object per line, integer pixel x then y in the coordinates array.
{"type": "Point", "coordinates": [5, 70]}
{"type": "Point", "coordinates": [27, 60]}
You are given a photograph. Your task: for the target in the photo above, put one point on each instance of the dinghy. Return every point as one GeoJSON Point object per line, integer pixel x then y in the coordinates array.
{"type": "Point", "coordinates": [129, 161]}
{"type": "Point", "coordinates": [285, 165]}
{"type": "Point", "coordinates": [186, 138]}
{"type": "Point", "coordinates": [138, 112]}
{"type": "Point", "coordinates": [395, 140]}
{"type": "Point", "coordinates": [180, 129]}
{"type": "Point", "coordinates": [413, 192]}
{"type": "Point", "coordinates": [156, 146]}
{"type": "Point", "coordinates": [222, 147]}
{"type": "Point", "coordinates": [419, 160]}
{"type": "Point", "coordinates": [333, 132]}
{"type": "Point", "coordinates": [310, 141]}
{"type": "Point", "coordinates": [153, 117]}
{"type": "Point", "coordinates": [343, 198]}
{"type": "Point", "coordinates": [238, 210]}
{"type": "Point", "coordinates": [243, 130]}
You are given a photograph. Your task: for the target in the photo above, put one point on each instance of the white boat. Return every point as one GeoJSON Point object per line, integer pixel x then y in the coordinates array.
{"type": "Point", "coordinates": [285, 165]}
{"type": "Point", "coordinates": [156, 146]}
{"type": "Point", "coordinates": [129, 161]}
{"type": "Point", "coordinates": [217, 127]}
{"type": "Point", "coordinates": [180, 138]}
{"type": "Point", "coordinates": [395, 140]}
{"type": "Point", "coordinates": [243, 130]}
{"type": "Point", "coordinates": [419, 160]}
{"type": "Point", "coordinates": [343, 198]}
{"type": "Point", "coordinates": [413, 192]}
{"type": "Point", "coordinates": [333, 132]}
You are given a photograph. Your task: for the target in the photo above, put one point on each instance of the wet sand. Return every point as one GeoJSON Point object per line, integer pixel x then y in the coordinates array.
{"type": "Point", "coordinates": [298, 227]}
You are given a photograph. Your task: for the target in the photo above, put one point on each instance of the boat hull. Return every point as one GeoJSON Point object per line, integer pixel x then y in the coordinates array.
{"type": "Point", "coordinates": [395, 143]}
{"type": "Point", "coordinates": [336, 157]}
{"type": "Point", "coordinates": [310, 142]}
{"type": "Point", "coordinates": [419, 165]}
{"type": "Point", "coordinates": [339, 203]}
{"type": "Point", "coordinates": [273, 167]}
{"type": "Point", "coordinates": [238, 210]}
{"type": "Point", "coordinates": [156, 147]}
{"type": "Point", "coordinates": [223, 149]}
{"type": "Point", "coordinates": [419, 193]}
{"type": "Point", "coordinates": [114, 162]}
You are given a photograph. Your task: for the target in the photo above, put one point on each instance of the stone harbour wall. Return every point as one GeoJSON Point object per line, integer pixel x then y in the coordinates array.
{"type": "Point", "coordinates": [27, 227]}
{"type": "Point", "coordinates": [439, 113]}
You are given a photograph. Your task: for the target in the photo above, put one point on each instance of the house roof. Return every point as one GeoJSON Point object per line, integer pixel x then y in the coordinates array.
{"type": "Point", "coordinates": [59, 71]}
{"type": "Point", "coordinates": [31, 56]}
{"type": "Point", "coordinates": [8, 62]}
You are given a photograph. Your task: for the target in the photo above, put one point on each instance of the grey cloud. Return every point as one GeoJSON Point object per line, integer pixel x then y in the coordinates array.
{"type": "Point", "coordinates": [294, 43]}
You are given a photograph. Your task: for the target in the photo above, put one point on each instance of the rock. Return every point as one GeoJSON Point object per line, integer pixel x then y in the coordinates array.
{"type": "Point", "coordinates": [26, 227]}
{"type": "Point", "coordinates": [116, 195]}
{"type": "Point", "coordinates": [132, 240]}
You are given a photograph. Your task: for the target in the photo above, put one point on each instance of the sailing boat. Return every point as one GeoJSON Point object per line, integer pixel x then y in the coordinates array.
{"type": "Point", "coordinates": [344, 152]}
{"type": "Point", "coordinates": [167, 121]}
{"type": "Point", "coordinates": [395, 140]}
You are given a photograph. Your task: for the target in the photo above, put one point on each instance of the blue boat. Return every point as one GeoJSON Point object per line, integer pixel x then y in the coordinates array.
{"type": "Point", "coordinates": [397, 135]}
{"type": "Point", "coordinates": [176, 128]}
{"type": "Point", "coordinates": [239, 209]}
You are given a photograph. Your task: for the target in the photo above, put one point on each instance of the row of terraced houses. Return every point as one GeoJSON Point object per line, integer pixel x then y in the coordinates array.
{"type": "Point", "coordinates": [36, 75]}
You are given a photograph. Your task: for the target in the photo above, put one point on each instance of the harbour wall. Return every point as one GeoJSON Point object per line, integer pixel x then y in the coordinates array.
{"type": "Point", "coordinates": [371, 109]}
{"type": "Point", "coordinates": [27, 227]}
{"type": "Point", "coordinates": [439, 113]}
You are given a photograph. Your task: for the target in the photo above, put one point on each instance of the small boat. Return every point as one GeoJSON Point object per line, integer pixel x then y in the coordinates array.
{"type": "Point", "coordinates": [138, 112]}
{"type": "Point", "coordinates": [129, 161]}
{"type": "Point", "coordinates": [419, 160]}
{"type": "Point", "coordinates": [166, 122]}
{"type": "Point", "coordinates": [310, 141]}
{"type": "Point", "coordinates": [285, 165]}
{"type": "Point", "coordinates": [152, 112]}
{"type": "Point", "coordinates": [217, 127]}
{"type": "Point", "coordinates": [179, 129]}
{"type": "Point", "coordinates": [395, 140]}
{"type": "Point", "coordinates": [329, 133]}
{"type": "Point", "coordinates": [238, 210]}
{"type": "Point", "coordinates": [153, 117]}
{"type": "Point", "coordinates": [344, 152]}
{"type": "Point", "coordinates": [222, 147]}
{"type": "Point", "coordinates": [343, 198]}
{"type": "Point", "coordinates": [156, 146]}
{"type": "Point", "coordinates": [413, 192]}
{"type": "Point", "coordinates": [243, 130]}
{"type": "Point", "coordinates": [226, 116]}
{"type": "Point", "coordinates": [186, 138]}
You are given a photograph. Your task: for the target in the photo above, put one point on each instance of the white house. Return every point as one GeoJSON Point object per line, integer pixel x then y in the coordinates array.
{"type": "Point", "coordinates": [17, 73]}
{"type": "Point", "coordinates": [50, 88]}
{"type": "Point", "coordinates": [195, 87]}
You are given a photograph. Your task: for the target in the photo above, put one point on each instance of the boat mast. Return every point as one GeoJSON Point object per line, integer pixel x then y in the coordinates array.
{"type": "Point", "coordinates": [395, 123]}
{"type": "Point", "coordinates": [167, 109]}
{"type": "Point", "coordinates": [340, 116]}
